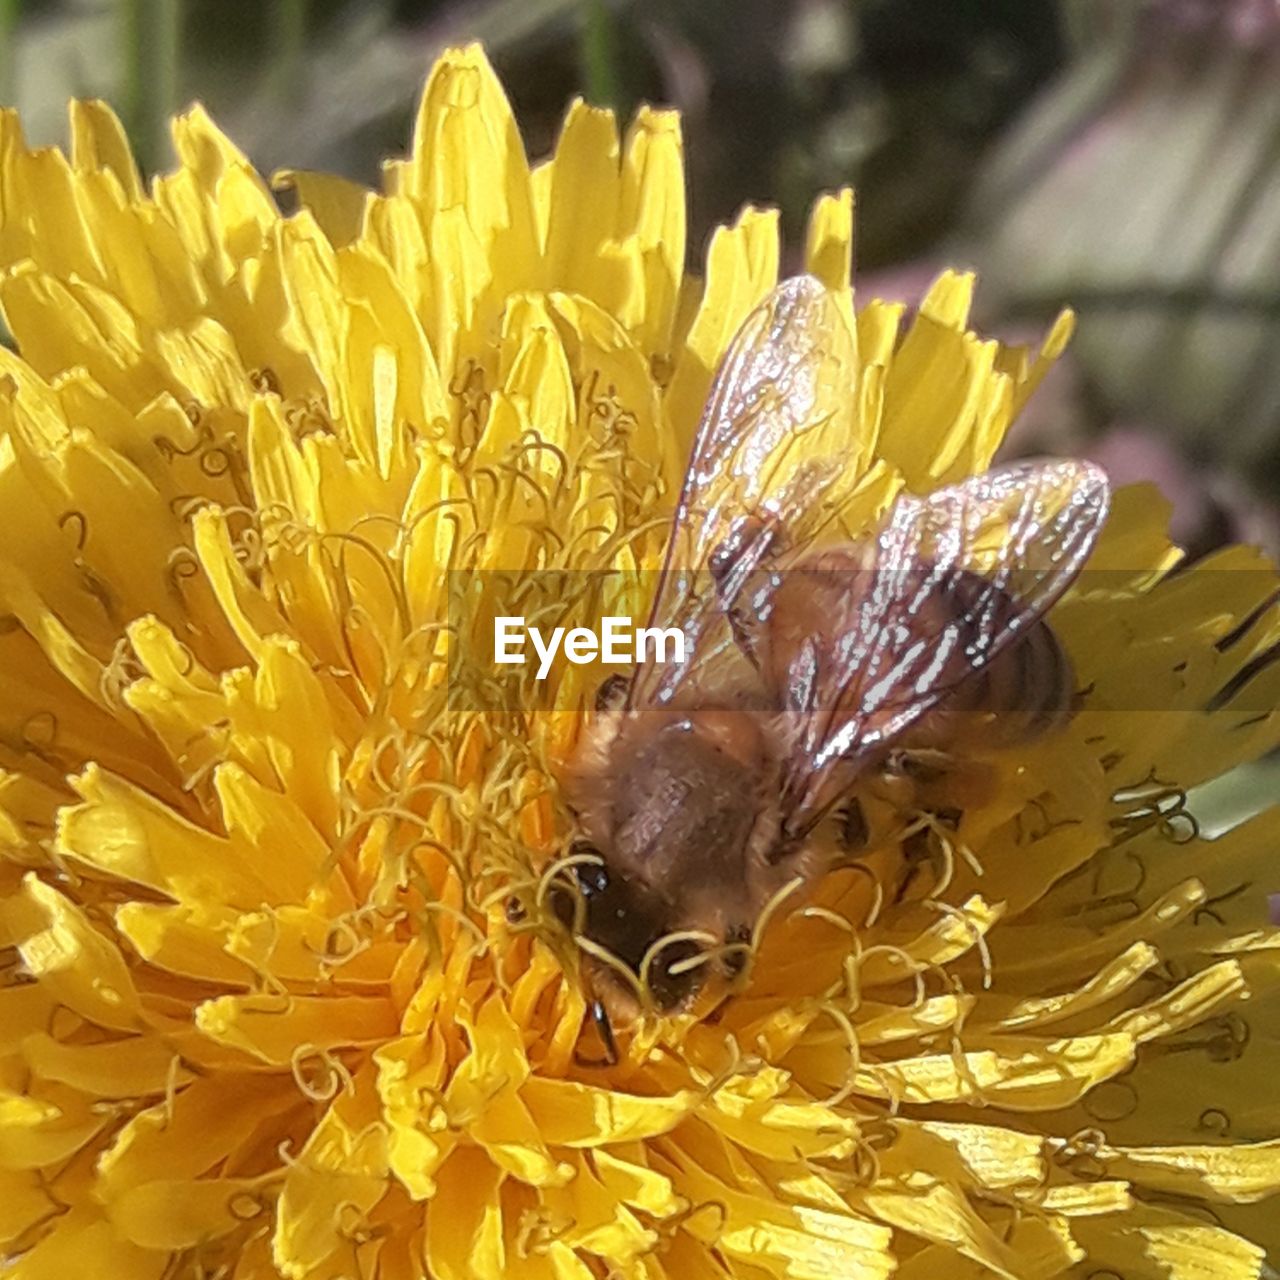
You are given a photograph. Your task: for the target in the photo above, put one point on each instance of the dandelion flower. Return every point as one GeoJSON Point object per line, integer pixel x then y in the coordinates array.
{"type": "Point", "coordinates": [265, 1010]}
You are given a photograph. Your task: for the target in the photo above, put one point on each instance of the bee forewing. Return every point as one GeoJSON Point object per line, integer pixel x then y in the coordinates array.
{"type": "Point", "coordinates": [776, 441]}
{"type": "Point", "coordinates": [958, 575]}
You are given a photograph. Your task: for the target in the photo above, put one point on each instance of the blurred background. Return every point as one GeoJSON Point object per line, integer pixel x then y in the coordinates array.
{"type": "Point", "coordinates": [1119, 155]}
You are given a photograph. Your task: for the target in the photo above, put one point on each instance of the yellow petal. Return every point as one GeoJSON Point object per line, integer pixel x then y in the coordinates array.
{"type": "Point", "coordinates": [578, 1115]}
{"type": "Point", "coordinates": [464, 1227]}
{"type": "Point", "coordinates": [88, 1247]}
{"type": "Point", "coordinates": [76, 964]}
{"type": "Point", "coordinates": [98, 141]}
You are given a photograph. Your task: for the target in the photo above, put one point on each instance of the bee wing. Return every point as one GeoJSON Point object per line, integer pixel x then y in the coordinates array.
{"type": "Point", "coordinates": [773, 450]}
{"type": "Point", "coordinates": [950, 580]}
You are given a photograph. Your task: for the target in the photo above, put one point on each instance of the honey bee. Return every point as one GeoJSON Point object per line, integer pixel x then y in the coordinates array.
{"type": "Point", "coordinates": [811, 663]}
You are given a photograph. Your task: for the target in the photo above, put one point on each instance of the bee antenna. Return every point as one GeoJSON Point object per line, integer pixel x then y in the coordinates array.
{"type": "Point", "coordinates": [600, 1016]}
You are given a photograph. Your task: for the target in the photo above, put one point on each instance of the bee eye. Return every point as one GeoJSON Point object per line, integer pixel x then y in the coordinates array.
{"type": "Point", "coordinates": [592, 878]}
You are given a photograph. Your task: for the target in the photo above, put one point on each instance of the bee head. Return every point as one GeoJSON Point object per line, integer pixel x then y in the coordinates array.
{"type": "Point", "coordinates": [630, 924]}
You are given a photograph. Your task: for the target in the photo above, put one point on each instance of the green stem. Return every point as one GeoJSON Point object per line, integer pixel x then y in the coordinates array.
{"type": "Point", "coordinates": [599, 55]}
{"type": "Point", "coordinates": [151, 36]}
{"type": "Point", "coordinates": [289, 46]}
{"type": "Point", "coordinates": [10, 12]}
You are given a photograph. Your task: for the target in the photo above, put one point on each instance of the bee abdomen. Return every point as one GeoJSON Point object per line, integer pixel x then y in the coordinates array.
{"type": "Point", "coordinates": [1027, 691]}
{"type": "Point", "coordinates": [1024, 693]}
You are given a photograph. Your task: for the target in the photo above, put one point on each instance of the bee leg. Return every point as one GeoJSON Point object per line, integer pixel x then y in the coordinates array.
{"type": "Point", "coordinates": [924, 766]}
{"type": "Point", "coordinates": [854, 832]}
{"type": "Point", "coordinates": [949, 817]}
{"type": "Point", "coordinates": [917, 851]}
{"type": "Point", "coordinates": [941, 780]}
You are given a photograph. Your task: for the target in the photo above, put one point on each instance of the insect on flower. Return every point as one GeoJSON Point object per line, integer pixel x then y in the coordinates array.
{"type": "Point", "coordinates": [812, 662]}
